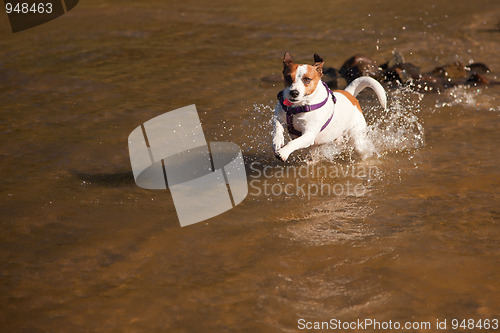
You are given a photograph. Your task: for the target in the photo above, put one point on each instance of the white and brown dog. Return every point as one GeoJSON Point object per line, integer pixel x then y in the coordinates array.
{"type": "Point", "coordinates": [313, 114]}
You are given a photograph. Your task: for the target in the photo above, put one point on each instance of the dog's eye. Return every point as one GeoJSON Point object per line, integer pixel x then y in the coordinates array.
{"type": "Point", "coordinates": [288, 78]}
{"type": "Point", "coordinates": [306, 80]}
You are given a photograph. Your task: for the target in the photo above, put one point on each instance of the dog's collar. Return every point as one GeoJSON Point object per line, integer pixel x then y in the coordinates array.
{"type": "Point", "coordinates": [290, 111]}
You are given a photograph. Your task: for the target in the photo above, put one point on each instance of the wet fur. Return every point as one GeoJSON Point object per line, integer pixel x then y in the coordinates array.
{"type": "Point", "coordinates": [303, 87]}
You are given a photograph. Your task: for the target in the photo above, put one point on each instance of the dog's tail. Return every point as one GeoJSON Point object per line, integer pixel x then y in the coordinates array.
{"type": "Point", "coordinates": [364, 82]}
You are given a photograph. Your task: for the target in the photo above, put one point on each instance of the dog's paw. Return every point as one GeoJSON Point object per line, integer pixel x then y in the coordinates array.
{"type": "Point", "coordinates": [280, 155]}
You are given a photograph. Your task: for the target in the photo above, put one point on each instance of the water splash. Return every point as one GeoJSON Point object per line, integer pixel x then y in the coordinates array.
{"type": "Point", "coordinates": [468, 98]}
{"type": "Point", "coordinates": [459, 95]}
{"type": "Point", "coordinates": [398, 128]}
{"type": "Point", "coordinates": [257, 129]}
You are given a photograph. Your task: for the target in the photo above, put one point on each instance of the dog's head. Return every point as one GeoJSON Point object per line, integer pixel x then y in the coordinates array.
{"type": "Point", "coordinates": [301, 80]}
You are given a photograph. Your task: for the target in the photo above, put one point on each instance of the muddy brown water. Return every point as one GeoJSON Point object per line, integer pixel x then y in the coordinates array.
{"type": "Point", "coordinates": [411, 234]}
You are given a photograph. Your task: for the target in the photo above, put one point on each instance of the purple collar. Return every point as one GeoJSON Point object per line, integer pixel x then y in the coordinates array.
{"type": "Point", "coordinates": [290, 111]}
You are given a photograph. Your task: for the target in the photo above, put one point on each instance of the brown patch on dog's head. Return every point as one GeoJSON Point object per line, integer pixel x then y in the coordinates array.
{"type": "Point", "coordinates": [310, 79]}
{"type": "Point", "coordinates": [289, 69]}
{"type": "Point", "coordinates": [313, 75]}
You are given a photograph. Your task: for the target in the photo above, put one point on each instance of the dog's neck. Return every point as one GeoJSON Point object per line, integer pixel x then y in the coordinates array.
{"type": "Point", "coordinates": [318, 95]}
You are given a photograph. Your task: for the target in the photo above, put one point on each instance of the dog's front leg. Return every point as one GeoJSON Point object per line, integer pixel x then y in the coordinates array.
{"type": "Point", "coordinates": [278, 130]}
{"type": "Point", "coordinates": [303, 141]}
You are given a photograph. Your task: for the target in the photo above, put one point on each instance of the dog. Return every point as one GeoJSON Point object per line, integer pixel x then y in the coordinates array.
{"type": "Point", "coordinates": [314, 115]}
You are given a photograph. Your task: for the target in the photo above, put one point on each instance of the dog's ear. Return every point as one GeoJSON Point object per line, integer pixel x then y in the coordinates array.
{"type": "Point", "coordinates": [318, 59]}
{"type": "Point", "coordinates": [318, 64]}
{"type": "Point", "coordinates": [287, 59]}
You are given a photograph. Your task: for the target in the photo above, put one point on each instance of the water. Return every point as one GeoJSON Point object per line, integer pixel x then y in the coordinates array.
{"type": "Point", "coordinates": [84, 249]}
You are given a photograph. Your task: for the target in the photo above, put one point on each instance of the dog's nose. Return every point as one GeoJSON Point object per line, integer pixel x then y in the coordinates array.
{"type": "Point", "coordinates": [294, 93]}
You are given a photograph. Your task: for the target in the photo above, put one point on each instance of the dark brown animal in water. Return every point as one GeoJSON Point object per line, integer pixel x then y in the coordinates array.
{"type": "Point", "coordinates": [402, 73]}
{"type": "Point", "coordinates": [456, 70]}
{"type": "Point", "coordinates": [478, 68]}
{"type": "Point", "coordinates": [455, 73]}
{"type": "Point", "coordinates": [360, 65]}
{"type": "Point", "coordinates": [397, 71]}
{"type": "Point", "coordinates": [479, 80]}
